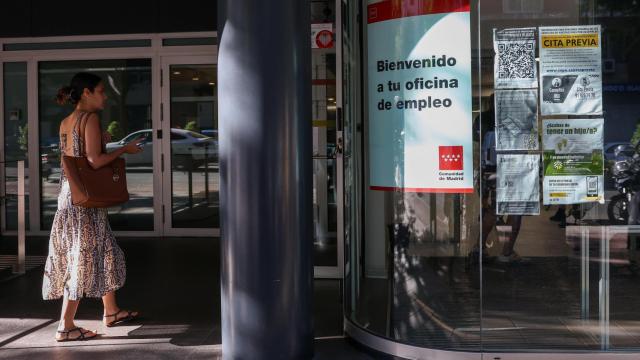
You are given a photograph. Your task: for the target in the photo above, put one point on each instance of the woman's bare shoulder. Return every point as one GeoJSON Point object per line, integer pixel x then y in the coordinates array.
{"type": "Point", "coordinates": [92, 122]}
{"type": "Point", "coordinates": [92, 116]}
{"type": "Point", "coordinates": [67, 123]}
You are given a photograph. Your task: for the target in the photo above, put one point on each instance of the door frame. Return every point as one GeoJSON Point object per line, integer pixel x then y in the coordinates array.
{"type": "Point", "coordinates": [154, 52]}
{"type": "Point", "coordinates": [337, 272]}
{"type": "Point", "coordinates": [159, 55]}
{"type": "Point", "coordinates": [164, 155]}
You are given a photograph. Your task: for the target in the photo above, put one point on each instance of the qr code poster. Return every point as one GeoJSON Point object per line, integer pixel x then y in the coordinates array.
{"type": "Point", "coordinates": [515, 59]}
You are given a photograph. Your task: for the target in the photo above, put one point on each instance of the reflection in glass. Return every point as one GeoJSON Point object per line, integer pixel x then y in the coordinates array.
{"type": "Point", "coordinates": [15, 139]}
{"type": "Point", "coordinates": [323, 105]}
{"type": "Point", "coordinates": [565, 279]}
{"type": "Point", "coordinates": [128, 110]}
{"type": "Point", "coordinates": [194, 147]}
{"type": "Point", "coordinates": [412, 260]}
{"type": "Point", "coordinates": [422, 268]}
{"type": "Point", "coordinates": [324, 157]}
{"type": "Point", "coordinates": [325, 211]}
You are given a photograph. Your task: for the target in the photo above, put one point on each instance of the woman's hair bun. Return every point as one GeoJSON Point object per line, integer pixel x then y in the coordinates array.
{"type": "Point", "coordinates": [64, 95]}
{"type": "Point", "coordinates": [73, 93]}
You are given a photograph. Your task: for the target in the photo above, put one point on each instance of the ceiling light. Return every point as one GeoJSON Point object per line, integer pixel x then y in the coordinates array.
{"type": "Point", "coordinates": [177, 73]}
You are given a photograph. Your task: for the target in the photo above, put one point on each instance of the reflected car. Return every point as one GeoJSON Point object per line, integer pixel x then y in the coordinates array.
{"type": "Point", "coordinates": [210, 133]}
{"type": "Point", "coordinates": [188, 148]}
{"type": "Point", "coordinates": [49, 156]}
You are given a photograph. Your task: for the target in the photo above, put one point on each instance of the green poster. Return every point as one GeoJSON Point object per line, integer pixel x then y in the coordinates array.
{"type": "Point", "coordinates": [573, 161]}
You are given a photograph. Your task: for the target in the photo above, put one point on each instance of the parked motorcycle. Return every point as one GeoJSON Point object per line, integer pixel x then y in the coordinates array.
{"type": "Point", "coordinates": [626, 178]}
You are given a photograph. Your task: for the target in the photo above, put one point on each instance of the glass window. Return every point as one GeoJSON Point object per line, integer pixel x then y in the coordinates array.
{"type": "Point", "coordinates": [128, 110]}
{"type": "Point", "coordinates": [410, 267]}
{"type": "Point", "coordinates": [15, 139]}
{"type": "Point", "coordinates": [542, 256]}
{"type": "Point", "coordinates": [194, 157]}
{"type": "Point", "coordinates": [323, 62]}
{"type": "Point", "coordinates": [564, 278]}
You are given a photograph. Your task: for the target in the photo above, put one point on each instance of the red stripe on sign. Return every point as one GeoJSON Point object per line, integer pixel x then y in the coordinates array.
{"type": "Point", "coordinates": [424, 190]}
{"type": "Point", "coordinates": [395, 9]}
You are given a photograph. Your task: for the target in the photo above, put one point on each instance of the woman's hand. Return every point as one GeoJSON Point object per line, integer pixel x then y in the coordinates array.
{"type": "Point", "coordinates": [134, 146]}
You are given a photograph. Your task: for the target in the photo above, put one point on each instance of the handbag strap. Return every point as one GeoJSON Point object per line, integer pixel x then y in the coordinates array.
{"type": "Point", "coordinates": [80, 128]}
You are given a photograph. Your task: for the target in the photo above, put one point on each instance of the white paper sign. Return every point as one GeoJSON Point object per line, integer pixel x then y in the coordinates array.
{"type": "Point", "coordinates": [518, 185]}
{"type": "Point", "coordinates": [570, 70]}
{"type": "Point", "coordinates": [516, 119]}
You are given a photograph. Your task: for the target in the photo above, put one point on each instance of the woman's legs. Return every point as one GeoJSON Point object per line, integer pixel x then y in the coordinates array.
{"type": "Point", "coordinates": [515, 221]}
{"type": "Point", "coordinates": [68, 313]}
{"type": "Point", "coordinates": [112, 312]}
{"type": "Point", "coordinates": [109, 302]}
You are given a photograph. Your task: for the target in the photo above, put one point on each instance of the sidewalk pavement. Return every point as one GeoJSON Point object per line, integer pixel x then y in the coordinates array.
{"type": "Point", "coordinates": [174, 282]}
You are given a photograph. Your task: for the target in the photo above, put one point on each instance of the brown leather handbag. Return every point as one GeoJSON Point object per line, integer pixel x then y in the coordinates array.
{"type": "Point", "coordinates": [94, 188]}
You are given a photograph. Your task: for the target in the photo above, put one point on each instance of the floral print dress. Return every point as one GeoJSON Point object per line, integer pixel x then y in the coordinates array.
{"type": "Point", "coordinates": [84, 259]}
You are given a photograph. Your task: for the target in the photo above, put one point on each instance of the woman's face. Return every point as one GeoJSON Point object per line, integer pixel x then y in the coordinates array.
{"type": "Point", "coordinates": [96, 99]}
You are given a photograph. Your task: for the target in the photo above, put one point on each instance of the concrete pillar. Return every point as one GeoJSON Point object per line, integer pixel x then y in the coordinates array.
{"type": "Point", "coordinates": [264, 92]}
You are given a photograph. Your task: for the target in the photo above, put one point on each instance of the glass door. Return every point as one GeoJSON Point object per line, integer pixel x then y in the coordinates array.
{"type": "Point", "coordinates": [325, 169]}
{"type": "Point", "coordinates": [15, 142]}
{"type": "Point", "coordinates": [326, 132]}
{"type": "Point", "coordinates": [126, 116]}
{"type": "Point", "coordinates": [189, 137]}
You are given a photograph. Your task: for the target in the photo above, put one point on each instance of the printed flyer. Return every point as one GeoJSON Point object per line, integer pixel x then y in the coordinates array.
{"type": "Point", "coordinates": [573, 161]}
{"type": "Point", "coordinates": [515, 59]}
{"type": "Point", "coordinates": [516, 119]}
{"type": "Point", "coordinates": [570, 70]}
{"type": "Point", "coordinates": [518, 185]}
{"type": "Point", "coordinates": [419, 92]}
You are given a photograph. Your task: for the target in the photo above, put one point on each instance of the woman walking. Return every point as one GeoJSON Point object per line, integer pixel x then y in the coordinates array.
{"type": "Point", "coordinates": [84, 259]}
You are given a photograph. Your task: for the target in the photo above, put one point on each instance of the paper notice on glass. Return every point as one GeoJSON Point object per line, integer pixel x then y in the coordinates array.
{"type": "Point", "coordinates": [573, 161]}
{"type": "Point", "coordinates": [515, 59]}
{"type": "Point", "coordinates": [518, 185]}
{"type": "Point", "coordinates": [516, 119]}
{"type": "Point", "coordinates": [570, 70]}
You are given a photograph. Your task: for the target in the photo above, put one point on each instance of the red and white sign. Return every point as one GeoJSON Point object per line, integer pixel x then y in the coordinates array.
{"type": "Point", "coordinates": [322, 36]}
{"type": "Point", "coordinates": [420, 136]}
{"type": "Point", "coordinates": [389, 10]}
{"type": "Point", "coordinates": [450, 157]}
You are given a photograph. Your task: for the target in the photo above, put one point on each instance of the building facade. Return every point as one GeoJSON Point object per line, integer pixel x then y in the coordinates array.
{"type": "Point", "coordinates": [474, 176]}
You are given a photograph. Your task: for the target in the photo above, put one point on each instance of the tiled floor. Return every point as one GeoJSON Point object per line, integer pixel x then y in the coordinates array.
{"type": "Point", "coordinates": [174, 282]}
